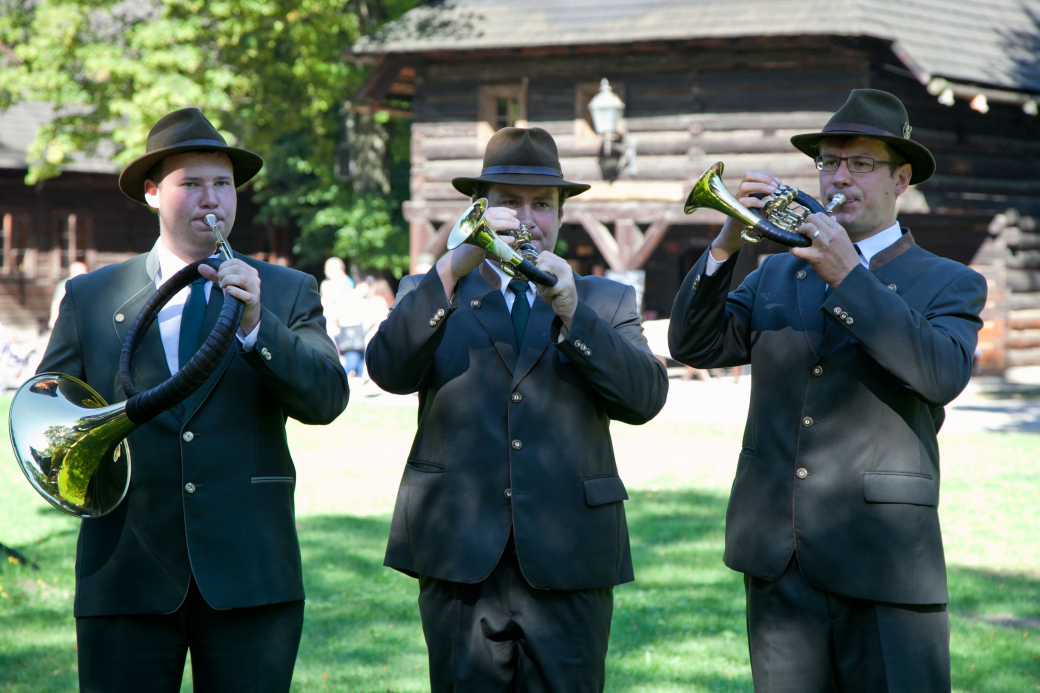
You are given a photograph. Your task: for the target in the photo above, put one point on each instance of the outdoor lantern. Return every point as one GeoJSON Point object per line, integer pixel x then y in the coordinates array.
{"type": "Point", "coordinates": [606, 109]}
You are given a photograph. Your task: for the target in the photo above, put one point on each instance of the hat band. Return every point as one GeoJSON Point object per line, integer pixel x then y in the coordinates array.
{"type": "Point", "coordinates": [857, 127]}
{"type": "Point", "coordinates": [522, 170]}
{"type": "Point", "coordinates": [196, 143]}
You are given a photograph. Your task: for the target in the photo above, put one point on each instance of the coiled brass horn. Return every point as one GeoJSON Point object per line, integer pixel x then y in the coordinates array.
{"type": "Point", "coordinates": [780, 224]}
{"type": "Point", "coordinates": [473, 229]}
{"type": "Point", "coordinates": [71, 444]}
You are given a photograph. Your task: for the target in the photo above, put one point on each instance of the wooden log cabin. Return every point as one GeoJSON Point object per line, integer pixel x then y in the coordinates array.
{"type": "Point", "coordinates": [708, 81]}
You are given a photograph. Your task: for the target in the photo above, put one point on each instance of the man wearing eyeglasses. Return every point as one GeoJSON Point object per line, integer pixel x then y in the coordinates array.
{"type": "Point", "coordinates": [856, 344]}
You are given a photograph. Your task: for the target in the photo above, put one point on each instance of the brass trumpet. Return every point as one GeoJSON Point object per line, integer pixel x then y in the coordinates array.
{"type": "Point", "coordinates": [781, 222]}
{"type": "Point", "coordinates": [472, 228]}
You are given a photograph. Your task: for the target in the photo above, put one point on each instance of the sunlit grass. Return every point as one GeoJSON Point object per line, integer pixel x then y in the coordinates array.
{"type": "Point", "coordinates": [679, 627]}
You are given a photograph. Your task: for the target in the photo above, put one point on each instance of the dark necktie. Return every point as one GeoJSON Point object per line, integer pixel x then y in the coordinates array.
{"type": "Point", "coordinates": [191, 322]}
{"type": "Point", "coordinates": [521, 308]}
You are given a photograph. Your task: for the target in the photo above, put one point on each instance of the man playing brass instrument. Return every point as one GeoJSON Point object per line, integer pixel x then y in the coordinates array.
{"type": "Point", "coordinates": [510, 509]}
{"type": "Point", "coordinates": [856, 344]}
{"type": "Point", "coordinates": [202, 554]}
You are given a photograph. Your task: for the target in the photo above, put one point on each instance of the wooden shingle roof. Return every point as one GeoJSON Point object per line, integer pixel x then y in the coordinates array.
{"type": "Point", "coordinates": [985, 42]}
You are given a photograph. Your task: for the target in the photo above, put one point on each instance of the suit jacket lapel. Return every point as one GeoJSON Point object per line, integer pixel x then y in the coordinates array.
{"type": "Point", "coordinates": [810, 292]}
{"type": "Point", "coordinates": [492, 315]}
{"type": "Point", "coordinates": [536, 338]}
{"type": "Point", "coordinates": [150, 367]}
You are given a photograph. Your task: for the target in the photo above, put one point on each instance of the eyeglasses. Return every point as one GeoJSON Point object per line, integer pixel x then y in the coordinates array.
{"type": "Point", "coordinates": [856, 164]}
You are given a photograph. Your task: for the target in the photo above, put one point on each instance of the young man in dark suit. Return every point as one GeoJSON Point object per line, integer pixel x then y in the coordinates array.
{"type": "Point", "coordinates": [856, 343]}
{"type": "Point", "coordinates": [202, 554]}
{"type": "Point", "coordinates": [510, 509]}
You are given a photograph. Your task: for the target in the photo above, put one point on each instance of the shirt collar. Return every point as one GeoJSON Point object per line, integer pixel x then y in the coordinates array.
{"type": "Point", "coordinates": [869, 247]}
{"type": "Point", "coordinates": [505, 278]}
{"type": "Point", "coordinates": [169, 264]}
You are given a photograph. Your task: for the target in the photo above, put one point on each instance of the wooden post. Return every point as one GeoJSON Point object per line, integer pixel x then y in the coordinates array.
{"type": "Point", "coordinates": [73, 224]}
{"type": "Point", "coordinates": [8, 266]}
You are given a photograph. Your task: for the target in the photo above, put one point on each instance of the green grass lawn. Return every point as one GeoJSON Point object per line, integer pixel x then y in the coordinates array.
{"type": "Point", "coordinates": [679, 627]}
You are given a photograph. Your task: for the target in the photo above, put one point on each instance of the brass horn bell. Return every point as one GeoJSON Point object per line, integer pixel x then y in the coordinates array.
{"type": "Point", "coordinates": [472, 228]}
{"type": "Point", "coordinates": [780, 224]}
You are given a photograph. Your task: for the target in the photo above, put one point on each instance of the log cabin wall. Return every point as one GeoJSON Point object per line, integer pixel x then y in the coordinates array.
{"type": "Point", "coordinates": [689, 104]}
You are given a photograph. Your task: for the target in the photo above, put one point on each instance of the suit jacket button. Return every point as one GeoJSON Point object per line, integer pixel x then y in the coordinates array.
{"type": "Point", "coordinates": [188, 436]}
{"type": "Point", "coordinates": [587, 351]}
{"type": "Point", "coordinates": [266, 354]}
{"type": "Point", "coordinates": [801, 274]}
{"type": "Point", "coordinates": [843, 315]}
{"type": "Point", "coordinates": [433, 322]}
{"type": "Point", "coordinates": [892, 287]}
{"type": "Point", "coordinates": [817, 370]}
{"type": "Point", "coordinates": [440, 312]}
{"type": "Point", "coordinates": [802, 473]}
{"type": "Point", "coordinates": [189, 487]}
{"type": "Point", "coordinates": [516, 397]}
{"type": "Point", "coordinates": [120, 317]}
{"type": "Point", "coordinates": [807, 421]}
{"type": "Point", "coordinates": [508, 493]}
{"type": "Point", "coordinates": [849, 321]}
{"type": "Point", "coordinates": [517, 444]}
{"type": "Point", "coordinates": [475, 303]}
{"type": "Point", "coordinates": [837, 310]}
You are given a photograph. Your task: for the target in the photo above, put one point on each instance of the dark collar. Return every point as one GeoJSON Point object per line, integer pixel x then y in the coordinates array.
{"type": "Point", "coordinates": [905, 243]}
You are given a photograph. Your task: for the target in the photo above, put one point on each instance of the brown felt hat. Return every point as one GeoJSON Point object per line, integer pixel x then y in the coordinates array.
{"type": "Point", "coordinates": [186, 130]}
{"type": "Point", "coordinates": [880, 116]}
{"type": "Point", "coordinates": [515, 156]}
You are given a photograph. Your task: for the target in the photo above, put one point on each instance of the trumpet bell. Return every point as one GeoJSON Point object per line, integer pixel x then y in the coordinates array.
{"type": "Point", "coordinates": [71, 444]}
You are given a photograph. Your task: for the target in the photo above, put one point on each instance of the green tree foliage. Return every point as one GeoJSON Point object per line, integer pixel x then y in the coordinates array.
{"type": "Point", "coordinates": [269, 74]}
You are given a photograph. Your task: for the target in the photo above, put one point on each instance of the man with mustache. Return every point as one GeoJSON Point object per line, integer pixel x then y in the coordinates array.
{"type": "Point", "coordinates": [856, 343]}
{"type": "Point", "coordinates": [202, 554]}
{"type": "Point", "coordinates": [510, 510]}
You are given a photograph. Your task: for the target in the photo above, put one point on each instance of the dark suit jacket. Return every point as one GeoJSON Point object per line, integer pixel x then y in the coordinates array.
{"type": "Point", "coordinates": [849, 388]}
{"type": "Point", "coordinates": [237, 531]}
{"type": "Point", "coordinates": [514, 437]}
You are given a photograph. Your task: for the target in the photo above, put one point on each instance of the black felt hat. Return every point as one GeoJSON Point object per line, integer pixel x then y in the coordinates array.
{"type": "Point", "coordinates": [880, 116]}
{"type": "Point", "coordinates": [186, 130]}
{"type": "Point", "coordinates": [515, 156]}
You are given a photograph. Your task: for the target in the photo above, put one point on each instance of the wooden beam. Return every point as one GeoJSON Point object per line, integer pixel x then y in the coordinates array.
{"type": "Point", "coordinates": [629, 238]}
{"type": "Point", "coordinates": [651, 239]}
{"type": "Point", "coordinates": [600, 235]}
{"type": "Point", "coordinates": [437, 243]}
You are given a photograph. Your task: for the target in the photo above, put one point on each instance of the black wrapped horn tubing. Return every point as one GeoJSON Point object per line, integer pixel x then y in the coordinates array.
{"type": "Point", "coordinates": [778, 235]}
{"type": "Point", "coordinates": [536, 275]}
{"type": "Point", "coordinates": [142, 407]}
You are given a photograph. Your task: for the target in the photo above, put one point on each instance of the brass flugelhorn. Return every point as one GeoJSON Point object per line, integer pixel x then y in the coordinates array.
{"type": "Point", "coordinates": [781, 222]}
{"type": "Point", "coordinates": [472, 228]}
{"type": "Point", "coordinates": [71, 444]}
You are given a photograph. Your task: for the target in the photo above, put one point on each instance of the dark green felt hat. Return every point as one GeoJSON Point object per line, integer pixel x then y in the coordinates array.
{"type": "Point", "coordinates": [186, 130]}
{"type": "Point", "coordinates": [880, 116]}
{"type": "Point", "coordinates": [518, 156]}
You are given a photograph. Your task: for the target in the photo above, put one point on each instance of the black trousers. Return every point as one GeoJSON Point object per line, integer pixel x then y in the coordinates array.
{"type": "Point", "coordinates": [251, 650]}
{"type": "Point", "coordinates": [803, 640]}
{"type": "Point", "coordinates": [503, 635]}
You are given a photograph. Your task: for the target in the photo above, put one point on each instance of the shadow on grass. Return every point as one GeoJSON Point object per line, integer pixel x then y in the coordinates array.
{"type": "Point", "coordinates": [679, 627]}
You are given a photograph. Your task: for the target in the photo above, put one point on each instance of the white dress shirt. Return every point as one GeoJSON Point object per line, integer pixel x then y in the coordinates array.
{"type": "Point", "coordinates": [504, 287]}
{"type": "Point", "coordinates": [169, 317]}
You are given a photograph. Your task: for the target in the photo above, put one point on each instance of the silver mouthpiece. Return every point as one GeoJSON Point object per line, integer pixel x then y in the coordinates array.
{"type": "Point", "coordinates": [211, 219]}
{"type": "Point", "coordinates": [837, 201]}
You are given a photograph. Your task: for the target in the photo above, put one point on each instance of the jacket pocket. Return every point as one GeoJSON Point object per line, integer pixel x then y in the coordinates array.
{"type": "Point", "coordinates": [896, 487]}
{"type": "Point", "coordinates": [273, 480]}
{"type": "Point", "coordinates": [600, 490]}
{"type": "Point", "coordinates": [420, 466]}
